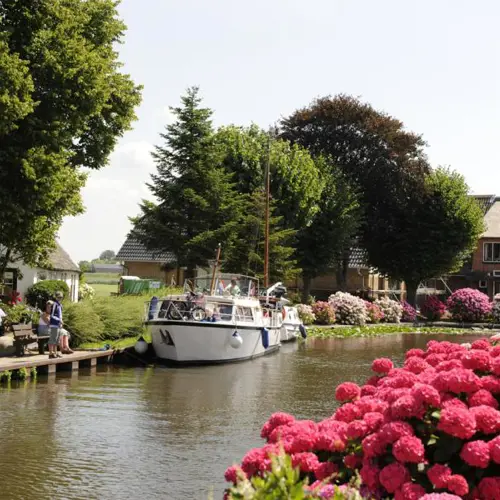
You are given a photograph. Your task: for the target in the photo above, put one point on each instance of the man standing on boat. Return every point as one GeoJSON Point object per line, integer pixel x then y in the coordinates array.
{"type": "Point", "coordinates": [233, 288]}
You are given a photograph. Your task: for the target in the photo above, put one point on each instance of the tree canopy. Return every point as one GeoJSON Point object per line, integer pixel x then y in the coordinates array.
{"type": "Point", "coordinates": [434, 233]}
{"type": "Point", "coordinates": [63, 104]}
{"type": "Point", "coordinates": [107, 255]}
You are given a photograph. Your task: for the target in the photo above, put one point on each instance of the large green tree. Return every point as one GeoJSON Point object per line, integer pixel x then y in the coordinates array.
{"type": "Point", "coordinates": [325, 243]}
{"type": "Point", "coordinates": [63, 104]}
{"type": "Point", "coordinates": [434, 232]}
{"type": "Point", "coordinates": [197, 205]}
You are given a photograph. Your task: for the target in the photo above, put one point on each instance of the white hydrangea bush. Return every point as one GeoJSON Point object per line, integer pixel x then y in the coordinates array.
{"type": "Point", "coordinates": [85, 291]}
{"type": "Point", "coordinates": [349, 310]}
{"type": "Point", "coordinates": [392, 309]}
{"type": "Point", "coordinates": [306, 314]}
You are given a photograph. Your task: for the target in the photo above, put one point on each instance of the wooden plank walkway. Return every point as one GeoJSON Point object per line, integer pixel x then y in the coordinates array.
{"type": "Point", "coordinates": [68, 362]}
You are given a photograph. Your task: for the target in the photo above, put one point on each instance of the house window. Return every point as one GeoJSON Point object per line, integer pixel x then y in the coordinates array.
{"type": "Point", "coordinates": [9, 282]}
{"type": "Point", "coordinates": [483, 284]}
{"type": "Point", "coordinates": [491, 252]}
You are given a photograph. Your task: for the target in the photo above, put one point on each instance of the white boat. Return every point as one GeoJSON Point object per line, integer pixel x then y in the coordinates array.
{"type": "Point", "coordinates": [291, 326]}
{"type": "Point", "coordinates": [207, 324]}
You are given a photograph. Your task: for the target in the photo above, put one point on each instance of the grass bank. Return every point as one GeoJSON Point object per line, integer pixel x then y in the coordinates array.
{"type": "Point", "coordinates": [381, 329]}
{"type": "Point", "coordinates": [92, 323]}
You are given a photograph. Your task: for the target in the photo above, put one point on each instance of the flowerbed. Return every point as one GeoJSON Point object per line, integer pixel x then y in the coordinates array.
{"type": "Point", "coordinates": [430, 429]}
{"type": "Point", "coordinates": [349, 310]}
{"type": "Point", "coordinates": [468, 304]}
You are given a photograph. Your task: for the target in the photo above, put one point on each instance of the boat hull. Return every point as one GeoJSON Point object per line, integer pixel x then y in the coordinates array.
{"type": "Point", "coordinates": [289, 333]}
{"type": "Point", "coordinates": [209, 343]}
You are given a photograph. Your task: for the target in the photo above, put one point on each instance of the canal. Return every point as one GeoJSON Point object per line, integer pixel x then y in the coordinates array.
{"type": "Point", "coordinates": [163, 433]}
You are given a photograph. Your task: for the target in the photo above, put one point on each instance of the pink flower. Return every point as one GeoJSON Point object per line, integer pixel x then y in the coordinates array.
{"type": "Point", "coordinates": [495, 365]}
{"type": "Point", "coordinates": [489, 488]}
{"type": "Point", "coordinates": [306, 461]}
{"type": "Point", "coordinates": [457, 422]}
{"type": "Point", "coordinates": [368, 390]}
{"type": "Point", "coordinates": [458, 484]}
{"type": "Point", "coordinates": [481, 344]}
{"type": "Point", "coordinates": [483, 398]}
{"type": "Point", "coordinates": [373, 445]}
{"type": "Point", "coordinates": [347, 413]}
{"type": "Point", "coordinates": [382, 365]}
{"type": "Point", "coordinates": [329, 442]}
{"type": "Point", "coordinates": [357, 429]}
{"type": "Point", "coordinates": [435, 359]}
{"type": "Point", "coordinates": [407, 407]}
{"type": "Point", "coordinates": [391, 432]}
{"type": "Point", "coordinates": [494, 445]}
{"type": "Point", "coordinates": [232, 473]}
{"type": "Point", "coordinates": [368, 404]}
{"type": "Point", "coordinates": [370, 474]}
{"type": "Point", "coordinates": [491, 383]}
{"type": "Point", "coordinates": [487, 419]}
{"type": "Point", "coordinates": [409, 449]}
{"type": "Point", "coordinates": [476, 360]}
{"type": "Point", "coordinates": [393, 476]}
{"type": "Point", "coordinates": [347, 392]}
{"type": "Point", "coordinates": [410, 491]}
{"type": "Point", "coordinates": [324, 470]}
{"type": "Point", "coordinates": [457, 381]}
{"type": "Point", "coordinates": [438, 475]}
{"type": "Point", "coordinates": [426, 394]}
{"type": "Point", "coordinates": [373, 420]}
{"type": "Point", "coordinates": [353, 462]}
{"type": "Point", "coordinates": [454, 402]}
{"type": "Point", "coordinates": [476, 454]}
{"type": "Point", "coordinates": [440, 496]}
{"type": "Point", "coordinates": [276, 420]}
{"type": "Point", "coordinates": [416, 364]}
{"type": "Point", "coordinates": [411, 353]}
{"type": "Point", "coordinates": [447, 366]}
{"type": "Point", "coordinates": [495, 351]}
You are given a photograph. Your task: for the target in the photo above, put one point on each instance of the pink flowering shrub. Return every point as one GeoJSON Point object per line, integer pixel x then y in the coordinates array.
{"type": "Point", "coordinates": [392, 309]}
{"type": "Point", "coordinates": [409, 312]}
{"type": "Point", "coordinates": [324, 313]}
{"type": "Point", "coordinates": [349, 310]}
{"type": "Point", "coordinates": [430, 429]}
{"type": "Point", "coordinates": [433, 308]}
{"type": "Point", "coordinates": [306, 314]}
{"type": "Point", "coordinates": [374, 313]}
{"type": "Point", "coordinates": [468, 304]}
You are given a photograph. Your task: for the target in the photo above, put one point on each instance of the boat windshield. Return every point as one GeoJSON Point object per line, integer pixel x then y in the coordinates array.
{"type": "Point", "coordinates": [228, 285]}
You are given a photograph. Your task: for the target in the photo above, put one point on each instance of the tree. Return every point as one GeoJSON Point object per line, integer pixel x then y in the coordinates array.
{"type": "Point", "coordinates": [431, 234]}
{"type": "Point", "coordinates": [246, 253]}
{"type": "Point", "coordinates": [107, 255]}
{"type": "Point", "coordinates": [64, 104]}
{"type": "Point", "coordinates": [295, 181]}
{"type": "Point", "coordinates": [84, 266]}
{"type": "Point", "coordinates": [326, 242]}
{"type": "Point", "coordinates": [198, 206]}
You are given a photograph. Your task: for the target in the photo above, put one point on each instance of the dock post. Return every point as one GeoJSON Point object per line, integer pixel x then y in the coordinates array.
{"type": "Point", "coordinates": [74, 366]}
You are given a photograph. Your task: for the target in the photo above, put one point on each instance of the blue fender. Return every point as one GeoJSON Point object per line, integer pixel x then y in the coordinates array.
{"type": "Point", "coordinates": [303, 331]}
{"type": "Point", "coordinates": [265, 337]}
{"type": "Point", "coordinates": [153, 305]}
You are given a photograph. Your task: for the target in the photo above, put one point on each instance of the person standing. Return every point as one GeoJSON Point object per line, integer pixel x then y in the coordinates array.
{"type": "Point", "coordinates": [55, 326]}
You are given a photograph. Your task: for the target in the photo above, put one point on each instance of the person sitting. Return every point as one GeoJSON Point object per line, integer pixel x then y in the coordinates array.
{"type": "Point", "coordinates": [233, 288]}
{"type": "Point", "coordinates": [44, 321]}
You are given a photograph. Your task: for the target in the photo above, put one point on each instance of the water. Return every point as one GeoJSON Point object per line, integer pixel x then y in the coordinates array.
{"type": "Point", "coordinates": [167, 433]}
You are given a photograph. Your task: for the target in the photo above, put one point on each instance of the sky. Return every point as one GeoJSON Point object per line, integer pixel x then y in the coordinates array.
{"type": "Point", "coordinates": [434, 65]}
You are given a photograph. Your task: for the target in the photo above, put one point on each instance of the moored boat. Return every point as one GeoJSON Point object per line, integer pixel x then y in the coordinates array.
{"type": "Point", "coordinates": [211, 323]}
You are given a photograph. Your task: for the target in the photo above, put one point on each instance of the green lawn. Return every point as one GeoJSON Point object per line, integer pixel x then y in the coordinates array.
{"type": "Point", "coordinates": [102, 290]}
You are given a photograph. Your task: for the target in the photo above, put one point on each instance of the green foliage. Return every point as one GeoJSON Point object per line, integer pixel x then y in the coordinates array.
{"type": "Point", "coordinates": [435, 232]}
{"type": "Point", "coordinates": [84, 266]}
{"type": "Point", "coordinates": [38, 294]}
{"type": "Point", "coordinates": [5, 377]}
{"type": "Point", "coordinates": [374, 330]}
{"type": "Point", "coordinates": [18, 313]}
{"type": "Point", "coordinates": [63, 104]}
{"type": "Point", "coordinates": [198, 205]}
{"type": "Point", "coordinates": [33, 373]}
{"type": "Point", "coordinates": [107, 256]}
{"type": "Point", "coordinates": [20, 374]}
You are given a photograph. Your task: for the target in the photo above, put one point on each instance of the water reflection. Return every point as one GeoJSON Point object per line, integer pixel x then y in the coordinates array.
{"type": "Point", "coordinates": [163, 432]}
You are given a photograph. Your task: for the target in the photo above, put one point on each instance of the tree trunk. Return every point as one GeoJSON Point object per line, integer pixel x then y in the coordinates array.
{"type": "Point", "coordinates": [341, 273]}
{"type": "Point", "coordinates": [411, 292]}
{"type": "Point", "coordinates": [306, 288]}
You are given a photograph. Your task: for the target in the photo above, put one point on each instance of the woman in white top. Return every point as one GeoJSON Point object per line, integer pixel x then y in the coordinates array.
{"type": "Point", "coordinates": [43, 322]}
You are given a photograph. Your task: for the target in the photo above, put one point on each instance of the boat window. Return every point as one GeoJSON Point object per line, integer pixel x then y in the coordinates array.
{"type": "Point", "coordinates": [164, 308]}
{"type": "Point", "coordinates": [244, 314]}
{"type": "Point", "coordinates": [226, 312]}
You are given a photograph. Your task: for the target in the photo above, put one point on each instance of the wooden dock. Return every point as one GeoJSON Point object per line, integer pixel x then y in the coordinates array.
{"type": "Point", "coordinates": [44, 365]}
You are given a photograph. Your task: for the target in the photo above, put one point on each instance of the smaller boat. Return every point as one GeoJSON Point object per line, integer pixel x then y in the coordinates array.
{"type": "Point", "coordinates": [274, 300]}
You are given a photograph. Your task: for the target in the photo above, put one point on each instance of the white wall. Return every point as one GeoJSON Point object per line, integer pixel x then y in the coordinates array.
{"type": "Point", "coordinates": [33, 275]}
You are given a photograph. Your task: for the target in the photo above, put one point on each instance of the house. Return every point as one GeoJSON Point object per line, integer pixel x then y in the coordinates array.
{"type": "Point", "coordinates": [482, 271]}
{"type": "Point", "coordinates": [139, 261]}
{"type": "Point", "coordinates": [19, 277]}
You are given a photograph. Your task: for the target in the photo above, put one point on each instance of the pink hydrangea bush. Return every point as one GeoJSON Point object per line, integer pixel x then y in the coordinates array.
{"type": "Point", "coordinates": [430, 429]}
{"type": "Point", "coordinates": [392, 309]}
{"type": "Point", "coordinates": [374, 313]}
{"type": "Point", "coordinates": [409, 312]}
{"type": "Point", "coordinates": [468, 304]}
{"type": "Point", "coordinates": [324, 313]}
{"type": "Point", "coordinates": [433, 308]}
{"type": "Point", "coordinates": [349, 310]}
{"type": "Point", "coordinates": [306, 314]}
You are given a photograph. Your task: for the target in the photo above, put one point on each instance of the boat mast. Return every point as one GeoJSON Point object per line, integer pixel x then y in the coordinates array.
{"type": "Point", "coordinates": [266, 235]}
{"type": "Point", "coordinates": [216, 265]}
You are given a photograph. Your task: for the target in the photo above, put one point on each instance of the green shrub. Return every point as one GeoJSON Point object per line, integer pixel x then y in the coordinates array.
{"type": "Point", "coordinates": [38, 294]}
{"type": "Point", "coordinates": [20, 313]}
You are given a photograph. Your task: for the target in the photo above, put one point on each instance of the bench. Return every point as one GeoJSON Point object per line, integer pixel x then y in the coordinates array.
{"type": "Point", "coordinates": [24, 335]}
